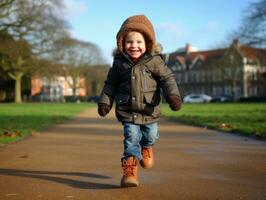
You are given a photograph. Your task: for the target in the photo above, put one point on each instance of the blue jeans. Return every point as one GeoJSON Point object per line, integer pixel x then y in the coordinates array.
{"type": "Point", "coordinates": [136, 136]}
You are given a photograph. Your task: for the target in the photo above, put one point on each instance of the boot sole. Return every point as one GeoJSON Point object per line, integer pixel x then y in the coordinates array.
{"type": "Point", "coordinates": [129, 184]}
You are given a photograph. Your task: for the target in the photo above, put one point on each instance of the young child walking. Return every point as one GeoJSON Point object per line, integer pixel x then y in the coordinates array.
{"type": "Point", "coordinates": [134, 82]}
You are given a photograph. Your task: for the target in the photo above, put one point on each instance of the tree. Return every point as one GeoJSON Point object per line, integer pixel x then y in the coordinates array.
{"type": "Point", "coordinates": [15, 59]}
{"type": "Point", "coordinates": [5, 6]}
{"type": "Point", "coordinates": [76, 57]}
{"type": "Point", "coordinates": [37, 21]}
{"type": "Point", "coordinates": [229, 65]}
{"type": "Point", "coordinates": [28, 28]}
{"type": "Point", "coordinates": [95, 76]}
{"type": "Point", "coordinates": [252, 30]}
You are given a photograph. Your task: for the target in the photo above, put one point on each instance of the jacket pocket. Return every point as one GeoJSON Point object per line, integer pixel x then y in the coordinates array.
{"type": "Point", "coordinates": [121, 99]}
{"type": "Point", "coordinates": [152, 98]}
{"type": "Point", "coordinates": [151, 104]}
{"type": "Point", "coordinates": [149, 83]}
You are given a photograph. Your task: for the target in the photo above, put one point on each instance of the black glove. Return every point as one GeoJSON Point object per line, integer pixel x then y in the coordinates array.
{"type": "Point", "coordinates": [174, 102]}
{"type": "Point", "coordinates": [103, 109]}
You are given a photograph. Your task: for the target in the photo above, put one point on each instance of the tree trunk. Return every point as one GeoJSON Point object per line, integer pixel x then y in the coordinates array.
{"type": "Point", "coordinates": [17, 77]}
{"type": "Point", "coordinates": [74, 87]}
{"type": "Point", "coordinates": [234, 85]}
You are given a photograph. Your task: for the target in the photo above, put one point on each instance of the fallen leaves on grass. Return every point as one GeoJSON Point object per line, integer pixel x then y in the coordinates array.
{"type": "Point", "coordinates": [11, 134]}
{"type": "Point", "coordinates": [226, 126]}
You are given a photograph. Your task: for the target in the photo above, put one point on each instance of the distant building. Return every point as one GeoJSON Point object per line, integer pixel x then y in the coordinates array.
{"type": "Point", "coordinates": [237, 70]}
{"type": "Point", "coordinates": [54, 89]}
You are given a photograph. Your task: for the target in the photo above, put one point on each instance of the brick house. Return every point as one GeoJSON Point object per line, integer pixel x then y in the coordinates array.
{"type": "Point", "coordinates": [238, 70]}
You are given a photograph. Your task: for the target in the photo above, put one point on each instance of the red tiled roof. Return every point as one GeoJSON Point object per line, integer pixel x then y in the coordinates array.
{"type": "Point", "coordinates": [245, 51]}
{"type": "Point", "coordinates": [253, 53]}
{"type": "Point", "coordinates": [204, 55]}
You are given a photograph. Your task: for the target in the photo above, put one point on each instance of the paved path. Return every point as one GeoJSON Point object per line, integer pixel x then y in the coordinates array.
{"type": "Point", "coordinates": [81, 160]}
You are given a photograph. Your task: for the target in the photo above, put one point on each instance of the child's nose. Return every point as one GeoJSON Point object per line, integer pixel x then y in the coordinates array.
{"type": "Point", "coordinates": [135, 44]}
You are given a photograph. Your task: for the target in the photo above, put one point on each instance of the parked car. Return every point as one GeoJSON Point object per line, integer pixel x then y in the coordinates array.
{"type": "Point", "coordinates": [46, 97]}
{"type": "Point", "coordinates": [197, 98]}
{"type": "Point", "coordinates": [94, 99]}
{"type": "Point", "coordinates": [223, 98]}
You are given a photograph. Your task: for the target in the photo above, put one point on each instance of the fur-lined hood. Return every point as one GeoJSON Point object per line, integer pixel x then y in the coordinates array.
{"type": "Point", "coordinates": [158, 49]}
{"type": "Point", "coordinates": [139, 23]}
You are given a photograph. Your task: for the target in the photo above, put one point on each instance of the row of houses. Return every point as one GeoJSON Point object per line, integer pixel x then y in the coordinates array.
{"type": "Point", "coordinates": [238, 70]}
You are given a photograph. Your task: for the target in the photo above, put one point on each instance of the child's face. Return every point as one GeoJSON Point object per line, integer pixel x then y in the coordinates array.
{"type": "Point", "coordinates": [134, 45]}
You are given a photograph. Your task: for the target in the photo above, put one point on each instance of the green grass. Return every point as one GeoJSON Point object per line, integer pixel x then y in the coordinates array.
{"type": "Point", "coordinates": [21, 120]}
{"type": "Point", "coordinates": [246, 118]}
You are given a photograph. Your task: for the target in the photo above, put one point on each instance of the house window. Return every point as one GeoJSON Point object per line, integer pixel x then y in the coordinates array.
{"type": "Point", "coordinates": [216, 91]}
{"type": "Point", "coordinates": [228, 72]}
{"type": "Point", "coordinates": [209, 76]}
{"type": "Point", "coordinates": [228, 90]}
{"type": "Point", "coordinates": [202, 89]}
{"type": "Point", "coordinates": [232, 57]}
{"type": "Point", "coordinates": [214, 74]}
{"type": "Point", "coordinates": [254, 76]}
{"type": "Point", "coordinates": [77, 92]}
{"type": "Point", "coordinates": [69, 91]}
{"type": "Point", "coordinates": [202, 76]}
{"type": "Point", "coordinates": [217, 75]}
{"type": "Point", "coordinates": [254, 91]}
{"type": "Point", "coordinates": [185, 77]}
{"type": "Point", "coordinates": [178, 76]}
{"type": "Point", "coordinates": [190, 77]}
{"type": "Point", "coordinates": [252, 62]}
{"type": "Point", "coordinates": [238, 91]}
{"type": "Point", "coordinates": [70, 80]}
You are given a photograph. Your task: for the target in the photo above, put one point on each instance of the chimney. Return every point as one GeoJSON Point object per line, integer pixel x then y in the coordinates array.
{"type": "Point", "coordinates": [236, 43]}
{"type": "Point", "coordinates": [188, 48]}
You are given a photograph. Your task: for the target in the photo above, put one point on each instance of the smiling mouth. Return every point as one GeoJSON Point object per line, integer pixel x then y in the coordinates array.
{"type": "Point", "coordinates": [134, 51]}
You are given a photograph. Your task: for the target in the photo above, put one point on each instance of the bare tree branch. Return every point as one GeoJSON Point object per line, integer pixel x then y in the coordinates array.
{"type": "Point", "coordinates": [253, 27]}
{"type": "Point", "coordinates": [37, 21]}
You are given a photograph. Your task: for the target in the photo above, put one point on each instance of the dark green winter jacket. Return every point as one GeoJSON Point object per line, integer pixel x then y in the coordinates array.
{"type": "Point", "coordinates": [136, 88]}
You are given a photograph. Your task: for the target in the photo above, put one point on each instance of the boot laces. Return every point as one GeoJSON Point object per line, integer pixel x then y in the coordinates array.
{"type": "Point", "coordinates": [146, 153]}
{"type": "Point", "coordinates": [128, 169]}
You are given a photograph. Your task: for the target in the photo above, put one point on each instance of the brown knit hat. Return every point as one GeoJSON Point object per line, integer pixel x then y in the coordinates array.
{"type": "Point", "coordinates": [138, 23]}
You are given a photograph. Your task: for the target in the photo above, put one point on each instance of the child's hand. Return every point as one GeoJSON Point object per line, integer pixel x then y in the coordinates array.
{"type": "Point", "coordinates": [174, 103]}
{"type": "Point", "coordinates": [103, 109]}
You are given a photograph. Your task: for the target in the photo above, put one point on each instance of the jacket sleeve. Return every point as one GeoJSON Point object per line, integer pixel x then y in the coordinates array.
{"type": "Point", "coordinates": [110, 86]}
{"type": "Point", "coordinates": [165, 78]}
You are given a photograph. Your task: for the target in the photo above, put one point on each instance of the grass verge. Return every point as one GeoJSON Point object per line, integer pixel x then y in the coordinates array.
{"type": "Point", "coordinates": [18, 121]}
{"type": "Point", "coordinates": [248, 119]}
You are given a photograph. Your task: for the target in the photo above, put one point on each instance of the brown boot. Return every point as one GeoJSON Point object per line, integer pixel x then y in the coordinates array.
{"type": "Point", "coordinates": [130, 172]}
{"type": "Point", "coordinates": [147, 157]}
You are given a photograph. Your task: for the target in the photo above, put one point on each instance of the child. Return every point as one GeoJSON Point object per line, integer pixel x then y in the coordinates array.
{"type": "Point", "coordinates": [134, 83]}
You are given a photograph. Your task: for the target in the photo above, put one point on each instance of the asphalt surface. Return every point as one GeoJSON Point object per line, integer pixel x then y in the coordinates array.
{"type": "Point", "coordinates": [81, 160]}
